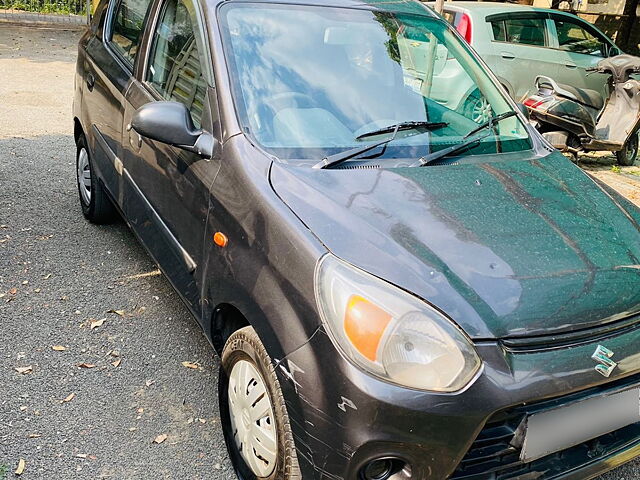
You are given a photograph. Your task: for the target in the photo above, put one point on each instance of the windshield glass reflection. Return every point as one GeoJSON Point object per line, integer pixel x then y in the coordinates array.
{"type": "Point", "coordinates": [308, 81]}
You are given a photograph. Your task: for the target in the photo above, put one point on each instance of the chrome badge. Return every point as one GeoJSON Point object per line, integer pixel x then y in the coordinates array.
{"type": "Point", "coordinates": [605, 366]}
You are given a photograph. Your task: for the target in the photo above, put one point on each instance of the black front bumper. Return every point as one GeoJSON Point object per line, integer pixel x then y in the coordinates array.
{"type": "Point", "coordinates": [342, 417]}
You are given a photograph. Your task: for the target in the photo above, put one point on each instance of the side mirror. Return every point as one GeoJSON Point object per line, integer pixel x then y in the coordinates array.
{"type": "Point", "coordinates": [524, 110]}
{"type": "Point", "coordinates": [613, 51]}
{"type": "Point", "coordinates": [171, 123]}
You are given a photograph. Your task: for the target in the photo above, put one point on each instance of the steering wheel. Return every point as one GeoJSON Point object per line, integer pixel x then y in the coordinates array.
{"type": "Point", "coordinates": [264, 112]}
{"type": "Point", "coordinates": [283, 100]}
{"type": "Point", "coordinates": [375, 125]}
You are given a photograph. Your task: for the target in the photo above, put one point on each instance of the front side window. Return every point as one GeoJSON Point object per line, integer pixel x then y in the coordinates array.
{"type": "Point", "coordinates": [312, 81]}
{"type": "Point", "coordinates": [127, 27]}
{"type": "Point", "coordinates": [525, 31]}
{"type": "Point", "coordinates": [176, 64]}
{"type": "Point", "coordinates": [573, 37]}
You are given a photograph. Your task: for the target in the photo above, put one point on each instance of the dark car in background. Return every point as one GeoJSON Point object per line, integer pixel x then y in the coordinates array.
{"type": "Point", "coordinates": [396, 290]}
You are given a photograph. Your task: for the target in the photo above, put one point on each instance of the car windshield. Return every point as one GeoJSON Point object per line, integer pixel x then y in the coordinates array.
{"type": "Point", "coordinates": [311, 81]}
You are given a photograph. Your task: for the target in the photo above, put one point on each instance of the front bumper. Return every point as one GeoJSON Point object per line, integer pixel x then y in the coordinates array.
{"type": "Point", "coordinates": [342, 418]}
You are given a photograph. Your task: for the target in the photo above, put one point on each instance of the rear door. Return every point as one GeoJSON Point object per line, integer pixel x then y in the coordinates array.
{"type": "Point", "coordinates": [108, 68]}
{"type": "Point", "coordinates": [578, 46]}
{"type": "Point", "coordinates": [520, 44]}
{"type": "Point", "coordinates": [169, 187]}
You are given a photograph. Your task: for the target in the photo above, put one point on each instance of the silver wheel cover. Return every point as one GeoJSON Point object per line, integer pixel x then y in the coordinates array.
{"type": "Point", "coordinates": [252, 419]}
{"type": "Point", "coordinates": [481, 111]}
{"type": "Point", "coordinates": [84, 176]}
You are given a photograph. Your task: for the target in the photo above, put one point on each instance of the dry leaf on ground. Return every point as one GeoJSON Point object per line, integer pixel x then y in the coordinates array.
{"type": "Point", "coordinates": [86, 365]}
{"type": "Point", "coordinates": [190, 364]}
{"type": "Point", "coordinates": [116, 363]}
{"type": "Point", "coordinates": [117, 312]}
{"type": "Point", "coordinates": [21, 466]}
{"type": "Point", "coordinates": [160, 438]}
{"type": "Point", "coordinates": [68, 398]}
{"type": "Point", "coordinates": [97, 323]}
{"type": "Point", "coordinates": [24, 370]}
{"type": "Point", "coordinates": [59, 348]}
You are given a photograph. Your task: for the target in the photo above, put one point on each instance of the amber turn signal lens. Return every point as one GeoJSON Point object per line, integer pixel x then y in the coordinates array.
{"type": "Point", "coordinates": [220, 239]}
{"type": "Point", "coordinates": [364, 324]}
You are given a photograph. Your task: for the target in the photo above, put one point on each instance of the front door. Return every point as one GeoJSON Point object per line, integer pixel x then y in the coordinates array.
{"type": "Point", "coordinates": [579, 46]}
{"type": "Point", "coordinates": [111, 55]}
{"type": "Point", "coordinates": [520, 49]}
{"type": "Point", "coordinates": [172, 185]}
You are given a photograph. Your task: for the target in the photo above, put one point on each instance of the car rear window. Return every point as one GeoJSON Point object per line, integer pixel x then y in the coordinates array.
{"type": "Point", "coordinates": [127, 26]}
{"type": "Point", "coordinates": [449, 16]}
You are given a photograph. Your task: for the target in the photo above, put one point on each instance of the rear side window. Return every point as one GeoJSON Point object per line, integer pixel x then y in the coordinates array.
{"type": "Point", "coordinates": [499, 32]}
{"type": "Point", "coordinates": [127, 26]}
{"type": "Point", "coordinates": [176, 62]}
{"type": "Point", "coordinates": [523, 31]}
{"type": "Point", "coordinates": [573, 37]}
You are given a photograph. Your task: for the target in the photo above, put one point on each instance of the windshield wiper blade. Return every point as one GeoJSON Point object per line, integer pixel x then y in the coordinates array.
{"type": "Point", "coordinates": [492, 122]}
{"type": "Point", "coordinates": [445, 152]}
{"type": "Point", "coordinates": [332, 160]}
{"type": "Point", "coordinates": [469, 139]}
{"type": "Point", "coordinates": [341, 157]}
{"type": "Point", "coordinates": [404, 126]}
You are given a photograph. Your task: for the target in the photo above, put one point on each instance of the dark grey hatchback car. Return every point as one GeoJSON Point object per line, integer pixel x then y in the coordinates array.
{"type": "Point", "coordinates": [395, 291]}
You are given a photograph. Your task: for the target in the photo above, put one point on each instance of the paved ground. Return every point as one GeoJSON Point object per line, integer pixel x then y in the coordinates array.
{"type": "Point", "coordinates": [59, 274]}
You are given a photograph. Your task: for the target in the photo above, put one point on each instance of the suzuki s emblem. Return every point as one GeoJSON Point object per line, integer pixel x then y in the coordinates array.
{"type": "Point", "coordinates": [605, 366]}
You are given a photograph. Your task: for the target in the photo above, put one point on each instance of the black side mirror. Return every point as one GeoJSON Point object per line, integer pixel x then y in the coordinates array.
{"type": "Point", "coordinates": [524, 110]}
{"type": "Point", "coordinates": [611, 51]}
{"type": "Point", "coordinates": [171, 123]}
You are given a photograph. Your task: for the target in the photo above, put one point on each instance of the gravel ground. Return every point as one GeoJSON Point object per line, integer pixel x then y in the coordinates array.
{"type": "Point", "coordinates": [61, 276]}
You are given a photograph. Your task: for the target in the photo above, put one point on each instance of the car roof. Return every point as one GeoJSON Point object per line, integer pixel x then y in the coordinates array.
{"type": "Point", "coordinates": [489, 8]}
{"type": "Point", "coordinates": [394, 6]}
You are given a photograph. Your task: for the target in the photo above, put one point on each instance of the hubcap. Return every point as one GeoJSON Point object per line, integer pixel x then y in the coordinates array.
{"type": "Point", "coordinates": [481, 111]}
{"type": "Point", "coordinates": [252, 419]}
{"type": "Point", "coordinates": [84, 176]}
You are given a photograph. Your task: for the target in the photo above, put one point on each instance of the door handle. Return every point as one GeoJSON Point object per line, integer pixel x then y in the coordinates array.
{"type": "Point", "coordinates": [507, 55]}
{"type": "Point", "coordinates": [571, 65]}
{"type": "Point", "coordinates": [91, 81]}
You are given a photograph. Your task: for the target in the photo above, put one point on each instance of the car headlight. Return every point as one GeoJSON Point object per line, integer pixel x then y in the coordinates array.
{"type": "Point", "coordinates": [390, 333]}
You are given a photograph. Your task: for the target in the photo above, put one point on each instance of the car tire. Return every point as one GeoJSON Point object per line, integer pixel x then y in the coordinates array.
{"type": "Point", "coordinates": [628, 155]}
{"type": "Point", "coordinates": [245, 360]}
{"type": "Point", "coordinates": [96, 205]}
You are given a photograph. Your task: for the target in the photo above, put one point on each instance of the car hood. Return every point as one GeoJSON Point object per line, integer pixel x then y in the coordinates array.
{"type": "Point", "coordinates": [504, 248]}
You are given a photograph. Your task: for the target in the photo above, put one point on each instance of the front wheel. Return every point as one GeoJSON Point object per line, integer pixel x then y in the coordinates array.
{"type": "Point", "coordinates": [628, 155]}
{"type": "Point", "coordinates": [257, 430]}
